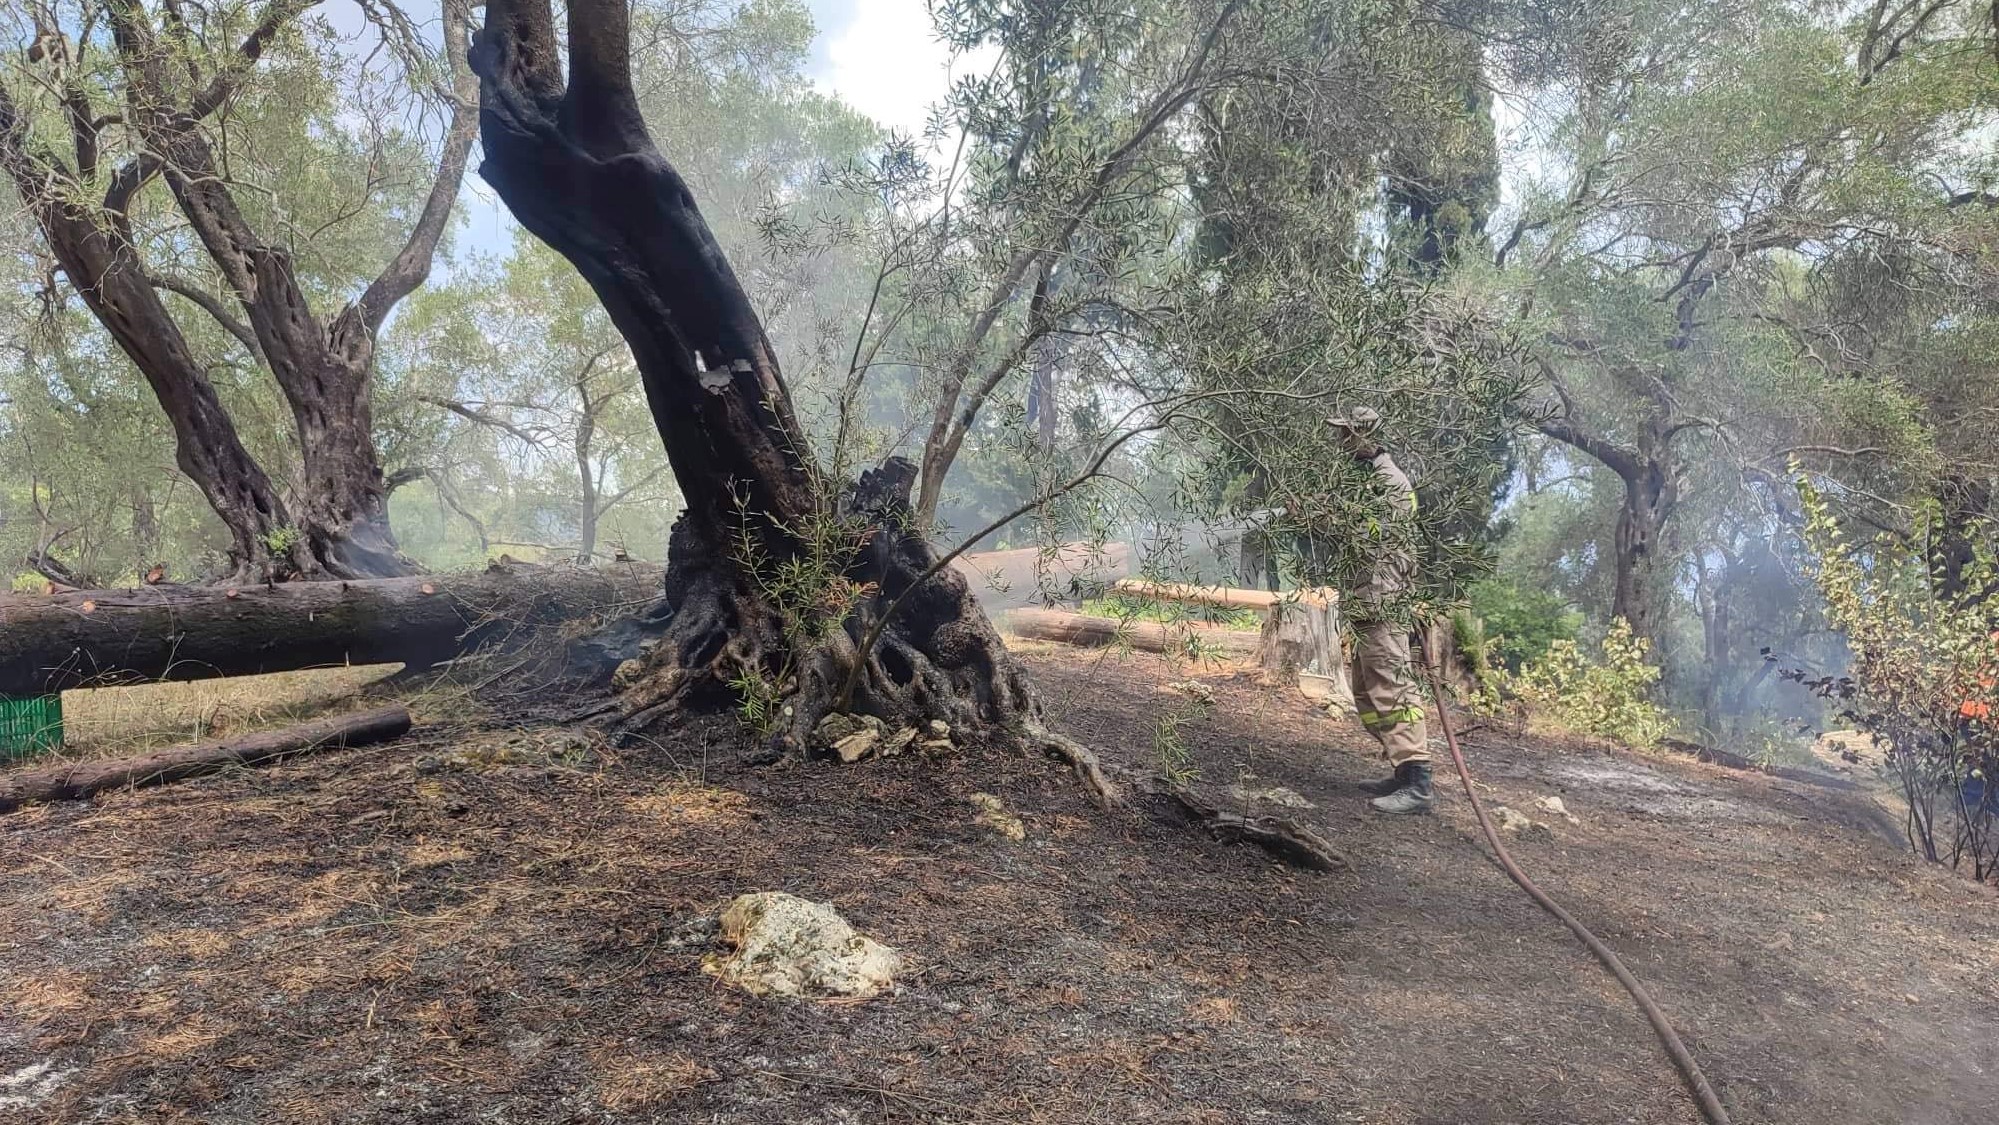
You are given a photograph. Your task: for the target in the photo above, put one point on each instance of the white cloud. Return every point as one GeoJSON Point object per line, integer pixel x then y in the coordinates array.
{"type": "Point", "coordinates": [885, 60]}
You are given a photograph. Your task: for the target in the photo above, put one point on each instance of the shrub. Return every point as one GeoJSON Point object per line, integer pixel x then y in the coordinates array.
{"type": "Point", "coordinates": [1924, 673]}
{"type": "Point", "coordinates": [1521, 622]}
{"type": "Point", "coordinates": [1607, 696]}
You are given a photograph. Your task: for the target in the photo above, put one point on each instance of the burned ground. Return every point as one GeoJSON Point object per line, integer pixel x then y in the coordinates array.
{"type": "Point", "coordinates": [515, 935]}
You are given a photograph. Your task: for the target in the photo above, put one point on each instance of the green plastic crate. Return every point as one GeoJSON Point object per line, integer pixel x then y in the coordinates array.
{"type": "Point", "coordinates": [29, 726]}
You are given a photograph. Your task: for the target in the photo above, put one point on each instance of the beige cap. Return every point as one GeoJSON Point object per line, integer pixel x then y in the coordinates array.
{"type": "Point", "coordinates": [1360, 420]}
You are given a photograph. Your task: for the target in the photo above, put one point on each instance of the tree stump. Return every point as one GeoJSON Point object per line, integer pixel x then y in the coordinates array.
{"type": "Point", "coordinates": [1301, 644]}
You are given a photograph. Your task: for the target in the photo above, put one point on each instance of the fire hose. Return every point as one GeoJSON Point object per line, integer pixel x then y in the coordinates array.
{"type": "Point", "coordinates": [1697, 1083]}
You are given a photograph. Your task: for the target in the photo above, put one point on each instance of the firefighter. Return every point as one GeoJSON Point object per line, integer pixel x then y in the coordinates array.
{"type": "Point", "coordinates": [1384, 680]}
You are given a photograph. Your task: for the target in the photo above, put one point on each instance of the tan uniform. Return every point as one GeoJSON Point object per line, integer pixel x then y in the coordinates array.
{"type": "Point", "coordinates": [1385, 688]}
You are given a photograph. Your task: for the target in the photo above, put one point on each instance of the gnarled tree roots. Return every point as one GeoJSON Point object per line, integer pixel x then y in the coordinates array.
{"type": "Point", "coordinates": [717, 640]}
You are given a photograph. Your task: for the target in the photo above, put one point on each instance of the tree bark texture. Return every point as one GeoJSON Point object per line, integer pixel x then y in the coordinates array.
{"type": "Point", "coordinates": [93, 245]}
{"type": "Point", "coordinates": [75, 782]}
{"type": "Point", "coordinates": [200, 632]}
{"type": "Point", "coordinates": [336, 523]}
{"type": "Point", "coordinates": [773, 575]}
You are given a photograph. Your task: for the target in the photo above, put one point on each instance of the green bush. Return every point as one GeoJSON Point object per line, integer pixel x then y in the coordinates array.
{"type": "Point", "coordinates": [1607, 696]}
{"type": "Point", "coordinates": [1521, 623]}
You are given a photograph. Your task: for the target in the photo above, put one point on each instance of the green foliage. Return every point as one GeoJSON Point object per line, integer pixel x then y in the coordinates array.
{"type": "Point", "coordinates": [1521, 622]}
{"type": "Point", "coordinates": [280, 541]}
{"type": "Point", "coordinates": [1606, 696]}
{"type": "Point", "coordinates": [1924, 676]}
{"type": "Point", "coordinates": [760, 705]}
{"type": "Point", "coordinates": [1170, 751]}
{"type": "Point", "coordinates": [28, 582]}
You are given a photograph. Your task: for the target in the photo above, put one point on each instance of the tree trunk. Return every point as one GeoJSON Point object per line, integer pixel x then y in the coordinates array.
{"type": "Point", "coordinates": [1966, 502]}
{"type": "Point", "coordinates": [1649, 498]}
{"type": "Point", "coordinates": [94, 249]}
{"type": "Point", "coordinates": [339, 524]}
{"type": "Point", "coordinates": [774, 575]}
{"type": "Point", "coordinates": [201, 632]}
{"type": "Point", "coordinates": [586, 484]}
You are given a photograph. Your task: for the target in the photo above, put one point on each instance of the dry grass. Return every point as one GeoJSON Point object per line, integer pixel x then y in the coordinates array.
{"type": "Point", "coordinates": [114, 721]}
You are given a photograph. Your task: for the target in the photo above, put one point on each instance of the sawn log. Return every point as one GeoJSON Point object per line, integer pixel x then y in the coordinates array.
{"type": "Point", "coordinates": [52, 642]}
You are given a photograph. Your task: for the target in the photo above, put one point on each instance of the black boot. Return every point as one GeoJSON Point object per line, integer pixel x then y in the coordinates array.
{"type": "Point", "coordinates": [1388, 784]}
{"type": "Point", "coordinates": [1415, 796]}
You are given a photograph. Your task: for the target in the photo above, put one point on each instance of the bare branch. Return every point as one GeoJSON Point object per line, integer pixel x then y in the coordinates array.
{"type": "Point", "coordinates": [210, 305]}
{"type": "Point", "coordinates": [411, 265]}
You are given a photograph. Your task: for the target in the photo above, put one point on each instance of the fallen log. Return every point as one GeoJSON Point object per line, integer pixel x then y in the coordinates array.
{"type": "Point", "coordinates": [1085, 631]}
{"type": "Point", "coordinates": [1224, 597]}
{"type": "Point", "coordinates": [96, 637]}
{"type": "Point", "coordinates": [75, 782]}
{"type": "Point", "coordinates": [1285, 839]}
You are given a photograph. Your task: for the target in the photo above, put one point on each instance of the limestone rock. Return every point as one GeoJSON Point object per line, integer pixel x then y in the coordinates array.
{"type": "Point", "coordinates": [1554, 807]}
{"type": "Point", "coordinates": [993, 815]}
{"type": "Point", "coordinates": [788, 946]}
{"type": "Point", "coordinates": [837, 728]}
{"type": "Point", "coordinates": [898, 742]}
{"type": "Point", "coordinates": [858, 745]}
{"type": "Point", "coordinates": [939, 729]}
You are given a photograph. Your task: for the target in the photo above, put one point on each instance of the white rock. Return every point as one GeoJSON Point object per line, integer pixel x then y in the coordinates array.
{"type": "Point", "coordinates": [788, 946]}
{"type": "Point", "coordinates": [1555, 807]}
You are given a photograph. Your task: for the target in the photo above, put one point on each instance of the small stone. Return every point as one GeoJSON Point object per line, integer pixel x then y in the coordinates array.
{"type": "Point", "coordinates": [858, 745]}
{"type": "Point", "coordinates": [833, 728]}
{"type": "Point", "coordinates": [993, 815]}
{"type": "Point", "coordinates": [1554, 807]}
{"type": "Point", "coordinates": [939, 729]}
{"type": "Point", "coordinates": [625, 674]}
{"type": "Point", "coordinates": [898, 742]}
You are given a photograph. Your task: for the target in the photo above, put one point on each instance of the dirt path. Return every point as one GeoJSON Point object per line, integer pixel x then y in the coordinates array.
{"type": "Point", "coordinates": [371, 939]}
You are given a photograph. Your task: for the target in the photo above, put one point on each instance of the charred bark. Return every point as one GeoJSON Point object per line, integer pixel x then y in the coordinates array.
{"type": "Point", "coordinates": [774, 575]}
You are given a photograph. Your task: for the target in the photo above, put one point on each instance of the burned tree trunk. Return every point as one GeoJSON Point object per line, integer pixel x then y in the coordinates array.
{"type": "Point", "coordinates": [774, 575]}
{"type": "Point", "coordinates": [1649, 499]}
